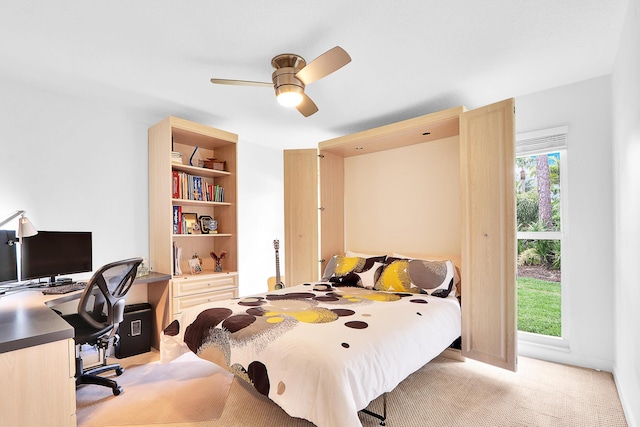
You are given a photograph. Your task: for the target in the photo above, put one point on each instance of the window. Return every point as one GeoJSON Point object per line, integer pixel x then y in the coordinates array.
{"type": "Point", "coordinates": [540, 160]}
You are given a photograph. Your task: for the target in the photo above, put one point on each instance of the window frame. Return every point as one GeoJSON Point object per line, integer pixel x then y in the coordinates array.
{"type": "Point", "coordinates": [549, 145]}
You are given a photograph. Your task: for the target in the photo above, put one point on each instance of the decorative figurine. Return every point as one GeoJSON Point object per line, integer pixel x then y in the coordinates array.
{"type": "Point", "coordinates": [196, 256]}
{"type": "Point", "coordinates": [218, 259]}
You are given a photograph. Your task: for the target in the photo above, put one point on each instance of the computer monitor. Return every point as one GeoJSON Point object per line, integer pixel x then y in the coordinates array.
{"type": "Point", "coordinates": [53, 253]}
{"type": "Point", "coordinates": [8, 263]}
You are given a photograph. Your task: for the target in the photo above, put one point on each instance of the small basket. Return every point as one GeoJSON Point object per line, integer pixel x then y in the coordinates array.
{"type": "Point", "coordinates": [214, 164]}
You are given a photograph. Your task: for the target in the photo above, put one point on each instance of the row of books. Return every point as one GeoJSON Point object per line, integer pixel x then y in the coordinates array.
{"type": "Point", "coordinates": [178, 221]}
{"type": "Point", "coordinates": [189, 223]}
{"type": "Point", "coordinates": [191, 187]}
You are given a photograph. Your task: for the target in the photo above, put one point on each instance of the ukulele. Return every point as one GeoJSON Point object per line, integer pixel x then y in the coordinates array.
{"type": "Point", "coordinates": [276, 282]}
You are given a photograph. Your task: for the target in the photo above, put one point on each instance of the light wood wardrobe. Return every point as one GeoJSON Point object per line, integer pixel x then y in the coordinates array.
{"type": "Point", "coordinates": [440, 184]}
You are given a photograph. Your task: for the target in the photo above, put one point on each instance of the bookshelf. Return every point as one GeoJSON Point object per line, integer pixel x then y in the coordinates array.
{"type": "Point", "coordinates": [171, 189]}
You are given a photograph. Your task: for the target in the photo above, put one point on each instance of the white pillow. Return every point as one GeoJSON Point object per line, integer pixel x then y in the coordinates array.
{"type": "Point", "coordinates": [351, 254]}
{"type": "Point", "coordinates": [397, 255]}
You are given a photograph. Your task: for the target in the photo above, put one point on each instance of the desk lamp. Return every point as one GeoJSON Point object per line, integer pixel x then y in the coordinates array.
{"type": "Point", "coordinates": [25, 228]}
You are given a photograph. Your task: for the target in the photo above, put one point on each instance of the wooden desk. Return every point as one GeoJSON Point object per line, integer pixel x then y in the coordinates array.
{"type": "Point", "coordinates": [37, 354]}
{"type": "Point", "coordinates": [158, 297]}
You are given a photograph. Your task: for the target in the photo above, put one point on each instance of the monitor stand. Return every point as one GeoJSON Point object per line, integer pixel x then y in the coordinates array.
{"type": "Point", "coordinates": [59, 281]}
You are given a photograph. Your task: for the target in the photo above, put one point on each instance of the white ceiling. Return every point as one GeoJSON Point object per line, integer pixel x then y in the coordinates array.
{"type": "Point", "coordinates": [409, 57]}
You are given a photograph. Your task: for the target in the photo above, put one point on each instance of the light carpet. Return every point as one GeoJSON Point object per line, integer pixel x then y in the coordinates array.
{"type": "Point", "coordinates": [447, 392]}
{"type": "Point", "coordinates": [188, 389]}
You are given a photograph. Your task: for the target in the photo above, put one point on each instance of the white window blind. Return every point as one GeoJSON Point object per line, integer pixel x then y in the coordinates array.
{"type": "Point", "coordinates": [542, 141]}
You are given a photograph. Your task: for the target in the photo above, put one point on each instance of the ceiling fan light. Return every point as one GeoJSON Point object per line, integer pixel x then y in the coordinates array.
{"type": "Point", "coordinates": [289, 95]}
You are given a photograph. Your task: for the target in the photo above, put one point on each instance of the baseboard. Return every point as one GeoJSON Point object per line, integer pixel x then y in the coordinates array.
{"type": "Point", "coordinates": [562, 355]}
{"type": "Point", "coordinates": [625, 400]}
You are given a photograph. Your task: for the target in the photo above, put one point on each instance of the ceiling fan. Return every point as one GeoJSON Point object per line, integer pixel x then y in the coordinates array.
{"type": "Point", "coordinates": [292, 74]}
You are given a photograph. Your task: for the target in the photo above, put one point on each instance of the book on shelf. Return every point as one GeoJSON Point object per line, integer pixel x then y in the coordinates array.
{"type": "Point", "coordinates": [177, 220]}
{"type": "Point", "coordinates": [197, 195]}
{"type": "Point", "coordinates": [177, 256]}
{"type": "Point", "coordinates": [175, 185]}
{"type": "Point", "coordinates": [218, 194]}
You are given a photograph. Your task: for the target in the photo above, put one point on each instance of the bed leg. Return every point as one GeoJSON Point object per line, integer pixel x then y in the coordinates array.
{"type": "Point", "coordinates": [382, 417]}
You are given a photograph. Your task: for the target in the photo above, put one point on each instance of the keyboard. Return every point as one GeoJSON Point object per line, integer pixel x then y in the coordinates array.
{"type": "Point", "coordinates": [65, 289]}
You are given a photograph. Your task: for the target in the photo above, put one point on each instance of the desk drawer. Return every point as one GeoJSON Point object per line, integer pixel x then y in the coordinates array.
{"type": "Point", "coordinates": [182, 287]}
{"type": "Point", "coordinates": [185, 302]}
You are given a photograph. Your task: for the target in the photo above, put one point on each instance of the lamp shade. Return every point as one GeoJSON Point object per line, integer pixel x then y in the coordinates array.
{"type": "Point", "coordinates": [25, 228]}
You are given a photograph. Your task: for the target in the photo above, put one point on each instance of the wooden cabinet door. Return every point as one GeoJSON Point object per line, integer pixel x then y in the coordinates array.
{"type": "Point", "coordinates": [301, 216]}
{"type": "Point", "coordinates": [331, 207]}
{"type": "Point", "coordinates": [487, 151]}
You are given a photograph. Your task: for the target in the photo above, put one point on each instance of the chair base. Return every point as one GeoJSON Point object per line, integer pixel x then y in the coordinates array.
{"type": "Point", "coordinates": [90, 376]}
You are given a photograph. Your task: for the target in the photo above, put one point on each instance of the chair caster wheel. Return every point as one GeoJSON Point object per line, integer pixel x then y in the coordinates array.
{"type": "Point", "coordinates": [119, 371]}
{"type": "Point", "coordinates": [117, 391]}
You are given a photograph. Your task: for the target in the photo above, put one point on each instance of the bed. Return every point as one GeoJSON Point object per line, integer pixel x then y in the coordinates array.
{"type": "Point", "coordinates": [324, 350]}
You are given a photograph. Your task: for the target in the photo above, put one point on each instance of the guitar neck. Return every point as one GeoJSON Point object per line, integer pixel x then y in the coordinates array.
{"type": "Point", "coordinates": [278, 284]}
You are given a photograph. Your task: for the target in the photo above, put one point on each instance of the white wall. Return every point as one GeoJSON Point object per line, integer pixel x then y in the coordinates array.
{"type": "Point", "coordinates": [626, 153]}
{"type": "Point", "coordinates": [260, 215]}
{"type": "Point", "coordinates": [587, 262]}
{"type": "Point", "coordinates": [73, 164]}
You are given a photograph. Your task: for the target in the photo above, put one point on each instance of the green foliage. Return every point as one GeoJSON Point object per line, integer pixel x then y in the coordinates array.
{"type": "Point", "coordinates": [539, 307]}
{"type": "Point", "coordinates": [539, 252]}
{"type": "Point", "coordinates": [526, 209]}
{"type": "Point", "coordinates": [555, 214]}
{"type": "Point", "coordinates": [529, 256]}
{"type": "Point", "coordinates": [556, 257]}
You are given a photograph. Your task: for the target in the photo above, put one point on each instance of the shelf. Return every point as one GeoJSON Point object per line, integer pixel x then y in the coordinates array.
{"type": "Point", "coordinates": [194, 170]}
{"type": "Point", "coordinates": [187, 202]}
{"type": "Point", "coordinates": [204, 235]}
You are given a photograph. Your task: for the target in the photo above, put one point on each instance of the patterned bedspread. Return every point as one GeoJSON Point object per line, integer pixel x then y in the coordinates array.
{"type": "Point", "coordinates": [320, 352]}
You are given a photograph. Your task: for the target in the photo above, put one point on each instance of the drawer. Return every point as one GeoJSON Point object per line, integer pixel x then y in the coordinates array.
{"type": "Point", "coordinates": [185, 302]}
{"type": "Point", "coordinates": [182, 287]}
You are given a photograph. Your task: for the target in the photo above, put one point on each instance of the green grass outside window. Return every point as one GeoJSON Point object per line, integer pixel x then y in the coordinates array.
{"type": "Point", "coordinates": [539, 307]}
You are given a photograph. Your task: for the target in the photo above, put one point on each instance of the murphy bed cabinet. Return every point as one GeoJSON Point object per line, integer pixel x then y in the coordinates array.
{"type": "Point", "coordinates": [440, 184]}
{"type": "Point", "coordinates": [195, 142]}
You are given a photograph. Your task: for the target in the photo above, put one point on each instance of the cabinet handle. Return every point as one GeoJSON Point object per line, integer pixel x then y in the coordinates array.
{"type": "Point", "coordinates": [208, 284]}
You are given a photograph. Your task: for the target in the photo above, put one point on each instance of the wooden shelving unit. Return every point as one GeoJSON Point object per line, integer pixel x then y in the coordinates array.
{"type": "Point", "coordinates": [196, 142]}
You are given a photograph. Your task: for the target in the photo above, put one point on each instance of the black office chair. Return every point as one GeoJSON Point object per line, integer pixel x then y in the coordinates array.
{"type": "Point", "coordinates": [100, 311]}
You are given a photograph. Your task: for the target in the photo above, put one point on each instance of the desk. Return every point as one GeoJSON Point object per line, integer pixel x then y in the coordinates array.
{"type": "Point", "coordinates": [37, 354]}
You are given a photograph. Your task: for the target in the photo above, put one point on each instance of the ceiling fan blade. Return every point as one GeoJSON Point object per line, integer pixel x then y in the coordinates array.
{"type": "Point", "coordinates": [241, 83]}
{"type": "Point", "coordinates": [323, 65]}
{"type": "Point", "coordinates": [307, 107]}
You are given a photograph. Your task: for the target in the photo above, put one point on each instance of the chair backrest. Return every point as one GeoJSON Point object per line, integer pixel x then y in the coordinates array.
{"type": "Point", "coordinates": [103, 300]}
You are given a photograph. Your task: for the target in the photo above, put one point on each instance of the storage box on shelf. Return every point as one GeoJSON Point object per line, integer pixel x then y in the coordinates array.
{"type": "Point", "coordinates": [205, 192]}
